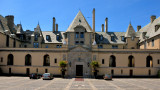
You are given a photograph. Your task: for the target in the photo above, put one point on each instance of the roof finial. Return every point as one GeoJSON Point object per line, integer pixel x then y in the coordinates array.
{"type": "Point", "coordinates": [38, 22]}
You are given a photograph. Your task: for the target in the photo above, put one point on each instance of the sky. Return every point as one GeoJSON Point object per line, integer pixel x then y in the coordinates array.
{"type": "Point", "coordinates": [119, 12]}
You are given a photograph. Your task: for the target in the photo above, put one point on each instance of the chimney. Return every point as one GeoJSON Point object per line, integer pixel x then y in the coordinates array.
{"type": "Point", "coordinates": [93, 22]}
{"type": "Point", "coordinates": [10, 22]}
{"type": "Point", "coordinates": [153, 17]}
{"type": "Point", "coordinates": [138, 27]}
{"type": "Point", "coordinates": [56, 27]}
{"type": "Point", "coordinates": [106, 25]}
{"type": "Point", "coordinates": [54, 20]}
{"type": "Point", "coordinates": [102, 27]}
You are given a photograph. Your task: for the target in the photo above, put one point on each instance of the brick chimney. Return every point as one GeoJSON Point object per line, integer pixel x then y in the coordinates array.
{"type": "Point", "coordinates": [54, 20]}
{"type": "Point", "coordinates": [153, 17]}
{"type": "Point", "coordinates": [56, 27]}
{"type": "Point", "coordinates": [102, 28]}
{"type": "Point", "coordinates": [10, 22]}
{"type": "Point", "coordinates": [106, 25]}
{"type": "Point", "coordinates": [93, 22]}
{"type": "Point", "coordinates": [138, 27]}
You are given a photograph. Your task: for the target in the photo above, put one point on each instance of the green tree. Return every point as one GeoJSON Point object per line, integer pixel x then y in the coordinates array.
{"type": "Point", "coordinates": [95, 65]}
{"type": "Point", "coordinates": [63, 65]}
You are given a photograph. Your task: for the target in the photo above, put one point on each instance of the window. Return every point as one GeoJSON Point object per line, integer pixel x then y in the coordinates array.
{"type": "Point", "coordinates": [149, 61]}
{"type": "Point", "coordinates": [158, 61]}
{"type": "Point", "coordinates": [153, 43]}
{"type": "Point", "coordinates": [112, 38]}
{"type": "Point", "coordinates": [1, 59]}
{"type": "Point", "coordinates": [21, 37]}
{"type": "Point", "coordinates": [55, 60]}
{"type": "Point", "coordinates": [101, 38]}
{"type": "Point", "coordinates": [121, 71]}
{"type": "Point", "coordinates": [10, 59]}
{"type": "Point", "coordinates": [81, 42]}
{"type": "Point", "coordinates": [114, 46]}
{"type": "Point", "coordinates": [102, 61]}
{"type": "Point", "coordinates": [36, 37]}
{"type": "Point", "coordinates": [122, 38]}
{"type": "Point", "coordinates": [80, 20]}
{"type": "Point", "coordinates": [7, 41]}
{"type": "Point", "coordinates": [58, 37]}
{"type": "Point", "coordinates": [77, 34]}
{"type": "Point", "coordinates": [149, 72]}
{"type": "Point", "coordinates": [28, 60]}
{"type": "Point", "coordinates": [112, 61]}
{"type": "Point", "coordinates": [112, 72]}
{"type": "Point", "coordinates": [14, 43]}
{"type": "Point", "coordinates": [59, 46]}
{"type": "Point", "coordinates": [82, 35]}
{"type": "Point", "coordinates": [130, 61]}
{"type": "Point", "coordinates": [94, 57]}
{"type": "Point", "coordinates": [46, 60]}
{"type": "Point", "coordinates": [100, 46]}
{"type": "Point", "coordinates": [132, 38]}
{"type": "Point", "coordinates": [47, 37]}
{"type": "Point", "coordinates": [35, 45]}
{"type": "Point", "coordinates": [37, 70]}
{"type": "Point", "coordinates": [76, 42]}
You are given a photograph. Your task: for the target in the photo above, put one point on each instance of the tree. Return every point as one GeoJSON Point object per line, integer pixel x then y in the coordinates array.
{"type": "Point", "coordinates": [63, 64]}
{"type": "Point", "coordinates": [95, 65]}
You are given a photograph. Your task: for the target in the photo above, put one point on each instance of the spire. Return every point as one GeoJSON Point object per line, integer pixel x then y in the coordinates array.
{"type": "Point", "coordinates": [130, 31]}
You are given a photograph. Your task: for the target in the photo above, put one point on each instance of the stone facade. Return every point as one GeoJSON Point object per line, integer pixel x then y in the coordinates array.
{"type": "Point", "coordinates": [127, 53]}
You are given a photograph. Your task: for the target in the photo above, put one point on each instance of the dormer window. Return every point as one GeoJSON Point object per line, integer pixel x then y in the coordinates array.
{"type": "Point", "coordinates": [47, 37]}
{"type": "Point", "coordinates": [101, 38]}
{"type": "Point", "coordinates": [157, 27]}
{"type": "Point", "coordinates": [82, 35]}
{"type": "Point", "coordinates": [122, 38]}
{"type": "Point", "coordinates": [58, 37]}
{"type": "Point", "coordinates": [36, 37]}
{"type": "Point", "coordinates": [112, 38]}
{"type": "Point", "coordinates": [77, 34]}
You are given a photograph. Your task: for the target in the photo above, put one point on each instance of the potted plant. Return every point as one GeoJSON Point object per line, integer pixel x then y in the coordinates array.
{"type": "Point", "coordinates": [63, 64]}
{"type": "Point", "coordinates": [95, 65]}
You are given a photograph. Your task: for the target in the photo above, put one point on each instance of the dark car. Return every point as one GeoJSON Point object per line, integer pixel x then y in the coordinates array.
{"type": "Point", "coordinates": [34, 76]}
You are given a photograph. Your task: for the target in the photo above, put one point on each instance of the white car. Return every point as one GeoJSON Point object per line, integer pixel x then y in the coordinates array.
{"type": "Point", "coordinates": [47, 76]}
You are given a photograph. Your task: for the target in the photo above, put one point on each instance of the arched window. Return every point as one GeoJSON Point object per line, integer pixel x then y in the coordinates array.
{"type": "Point", "coordinates": [46, 61]}
{"type": "Point", "coordinates": [149, 62]}
{"type": "Point", "coordinates": [28, 60]}
{"type": "Point", "coordinates": [130, 61]}
{"type": "Point", "coordinates": [112, 61]}
{"type": "Point", "coordinates": [10, 59]}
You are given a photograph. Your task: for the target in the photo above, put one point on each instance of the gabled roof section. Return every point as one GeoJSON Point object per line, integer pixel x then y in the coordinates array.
{"type": "Point", "coordinates": [79, 20]}
{"type": "Point", "coordinates": [19, 29]}
{"type": "Point", "coordinates": [130, 31]}
{"type": "Point", "coordinates": [3, 24]}
{"type": "Point", "coordinates": [38, 29]}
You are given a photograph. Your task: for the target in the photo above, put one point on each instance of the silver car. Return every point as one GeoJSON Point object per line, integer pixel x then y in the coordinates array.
{"type": "Point", "coordinates": [47, 76]}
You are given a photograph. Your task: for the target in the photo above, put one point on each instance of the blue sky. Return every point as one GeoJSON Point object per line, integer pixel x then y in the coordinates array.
{"type": "Point", "coordinates": [119, 12]}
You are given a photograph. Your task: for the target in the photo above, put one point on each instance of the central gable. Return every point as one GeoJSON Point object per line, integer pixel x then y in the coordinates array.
{"type": "Point", "coordinates": [79, 20]}
{"type": "Point", "coordinates": [79, 49]}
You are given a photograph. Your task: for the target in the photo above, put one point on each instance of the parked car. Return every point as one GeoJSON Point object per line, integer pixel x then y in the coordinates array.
{"type": "Point", "coordinates": [107, 77]}
{"type": "Point", "coordinates": [34, 76]}
{"type": "Point", "coordinates": [47, 76]}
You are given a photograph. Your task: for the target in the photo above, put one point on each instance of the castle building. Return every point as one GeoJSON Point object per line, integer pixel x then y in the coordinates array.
{"type": "Point", "coordinates": [130, 53]}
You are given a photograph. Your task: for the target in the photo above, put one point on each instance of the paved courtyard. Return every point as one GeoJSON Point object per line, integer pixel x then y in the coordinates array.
{"type": "Point", "coordinates": [24, 83]}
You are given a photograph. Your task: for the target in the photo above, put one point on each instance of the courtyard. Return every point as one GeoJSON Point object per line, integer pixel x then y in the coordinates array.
{"type": "Point", "coordinates": [24, 83]}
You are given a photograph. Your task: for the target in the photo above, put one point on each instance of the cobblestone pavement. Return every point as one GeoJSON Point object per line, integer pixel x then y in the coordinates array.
{"type": "Point", "coordinates": [24, 83]}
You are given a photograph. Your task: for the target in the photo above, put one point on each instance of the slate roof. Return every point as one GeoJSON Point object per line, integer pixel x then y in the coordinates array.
{"type": "Point", "coordinates": [53, 38]}
{"type": "Point", "coordinates": [79, 20]}
{"type": "Point", "coordinates": [107, 37]}
{"type": "Point", "coordinates": [3, 24]}
{"type": "Point", "coordinates": [150, 30]}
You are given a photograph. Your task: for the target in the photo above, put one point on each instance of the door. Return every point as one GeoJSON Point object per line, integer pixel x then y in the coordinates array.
{"type": "Point", "coordinates": [10, 71]}
{"type": "Point", "coordinates": [27, 71]}
{"type": "Point", "coordinates": [131, 73]}
{"type": "Point", "coordinates": [79, 70]}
